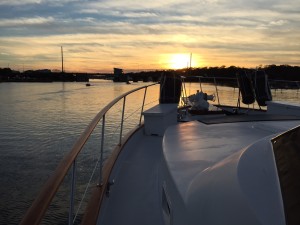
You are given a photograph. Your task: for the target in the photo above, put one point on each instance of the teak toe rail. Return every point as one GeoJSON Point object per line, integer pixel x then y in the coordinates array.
{"type": "Point", "coordinates": [36, 212]}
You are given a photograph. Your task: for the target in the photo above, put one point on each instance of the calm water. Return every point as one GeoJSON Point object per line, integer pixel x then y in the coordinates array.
{"type": "Point", "coordinates": [39, 122]}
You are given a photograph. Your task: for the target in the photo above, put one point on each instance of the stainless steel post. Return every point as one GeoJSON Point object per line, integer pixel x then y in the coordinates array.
{"type": "Point", "coordinates": [143, 106]}
{"type": "Point", "coordinates": [102, 146]}
{"type": "Point", "coordinates": [217, 90]}
{"type": "Point", "coordinates": [71, 211]}
{"type": "Point", "coordinates": [120, 141]}
{"type": "Point", "coordinates": [200, 84]}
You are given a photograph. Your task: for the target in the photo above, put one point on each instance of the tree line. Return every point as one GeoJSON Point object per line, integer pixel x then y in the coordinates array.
{"type": "Point", "coordinates": [274, 72]}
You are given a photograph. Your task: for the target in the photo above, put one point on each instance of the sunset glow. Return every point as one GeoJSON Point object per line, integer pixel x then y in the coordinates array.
{"type": "Point", "coordinates": [179, 61]}
{"type": "Point", "coordinates": [99, 35]}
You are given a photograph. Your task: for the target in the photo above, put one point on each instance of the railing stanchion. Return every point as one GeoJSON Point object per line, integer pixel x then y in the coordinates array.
{"type": "Point", "coordinates": [71, 211]}
{"type": "Point", "coordinates": [200, 84]}
{"type": "Point", "coordinates": [36, 213]}
{"type": "Point", "coordinates": [143, 106]}
{"type": "Point", "coordinates": [123, 111]}
{"type": "Point", "coordinates": [184, 91]}
{"type": "Point", "coordinates": [102, 146]}
{"type": "Point", "coordinates": [217, 90]}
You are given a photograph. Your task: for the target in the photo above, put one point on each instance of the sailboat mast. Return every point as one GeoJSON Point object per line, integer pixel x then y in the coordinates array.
{"type": "Point", "coordinates": [62, 59]}
{"type": "Point", "coordinates": [191, 61]}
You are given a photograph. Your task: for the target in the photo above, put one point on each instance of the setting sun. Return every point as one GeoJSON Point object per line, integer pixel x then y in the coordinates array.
{"type": "Point", "coordinates": [179, 61]}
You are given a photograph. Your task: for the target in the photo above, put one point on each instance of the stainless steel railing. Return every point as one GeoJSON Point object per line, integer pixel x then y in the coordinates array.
{"type": "Point", "coordinates": [39, 207]}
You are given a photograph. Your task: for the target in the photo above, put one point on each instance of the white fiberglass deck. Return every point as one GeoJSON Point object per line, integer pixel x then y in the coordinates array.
{"type": "Point", "coordinates": [209, 168]}
{"type": "Point", "coordinates": [135, 198]}
{"type": "Point", "coordinates": [191, 147]}
{"type": "Point", "coordinates": [179, 162]}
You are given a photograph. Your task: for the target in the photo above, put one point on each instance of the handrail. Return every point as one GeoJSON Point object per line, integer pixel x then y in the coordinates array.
{"type": "Point", "coordinates": [92, 209]}
{"type": "Point", "coordinates": [36, 212]}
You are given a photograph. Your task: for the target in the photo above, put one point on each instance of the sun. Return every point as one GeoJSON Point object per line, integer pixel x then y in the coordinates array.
{"type": "Point", "coordinates": [179, 61]}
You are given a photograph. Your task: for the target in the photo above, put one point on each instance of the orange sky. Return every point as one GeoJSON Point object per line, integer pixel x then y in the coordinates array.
{"type": "Point", "coordinates": [99, 35]}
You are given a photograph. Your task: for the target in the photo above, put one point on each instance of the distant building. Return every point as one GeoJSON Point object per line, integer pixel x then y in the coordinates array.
{"type": "Point", "coordinates": [118, 71]}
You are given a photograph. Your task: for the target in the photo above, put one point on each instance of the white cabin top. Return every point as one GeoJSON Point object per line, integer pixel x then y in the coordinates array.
{"type": "Point", "coordinates": [208, 164]}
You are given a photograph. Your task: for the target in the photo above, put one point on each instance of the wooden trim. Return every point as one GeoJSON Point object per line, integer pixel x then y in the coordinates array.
{"type": "Point", "coordinates": [36, 212]}
{"type": "Point", "coordinates": [93, 208]}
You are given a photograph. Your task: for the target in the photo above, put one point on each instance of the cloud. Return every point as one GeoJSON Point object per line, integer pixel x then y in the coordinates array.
{"type": "Point", "coordinates": [278, 22]}
{"type": "Point", "coordinates": [25, 21]}
{"type": "Point", "coordinates": [106, 31]}
{"type": "Point", "coordinates": [34, 2]}
{"type": "Point", "coordinates": [18, 3]}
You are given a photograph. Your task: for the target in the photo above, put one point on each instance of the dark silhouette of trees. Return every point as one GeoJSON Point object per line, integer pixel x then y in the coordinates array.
{"type": "Point", "coordinates": [274, 72]}
{"type": "Point", "coordinates": [283, 72]}
{"type": "Point", "coordinates": [8, 75]}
